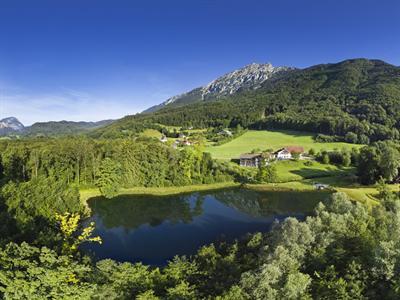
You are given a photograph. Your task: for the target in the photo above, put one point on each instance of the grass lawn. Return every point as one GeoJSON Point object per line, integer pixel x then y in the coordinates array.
{"type": "Point", "coordinates": [151, 133]}
{"type": "Point", "coordinates": [297, 170]}
{"type": "Point", "coordinates": [264, 139]}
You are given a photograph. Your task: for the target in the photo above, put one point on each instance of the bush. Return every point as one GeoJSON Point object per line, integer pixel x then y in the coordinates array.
{"type": "Point", "coordinates": [351, 137]}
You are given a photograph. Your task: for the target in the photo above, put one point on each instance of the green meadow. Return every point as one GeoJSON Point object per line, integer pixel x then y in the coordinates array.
{"type": "Point", "coordinates": [255, 139]}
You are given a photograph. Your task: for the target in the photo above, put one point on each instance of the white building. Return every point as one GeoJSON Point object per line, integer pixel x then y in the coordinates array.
{"type": "Point", "coordinates": [283, 154]}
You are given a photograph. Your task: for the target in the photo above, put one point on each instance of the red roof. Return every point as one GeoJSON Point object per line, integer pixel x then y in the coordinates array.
{"type": "Point", "coordinates": [295, 149]}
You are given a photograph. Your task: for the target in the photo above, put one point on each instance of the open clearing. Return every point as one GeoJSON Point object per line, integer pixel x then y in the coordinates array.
{"type": "Point", "coordinates": [263, 139]}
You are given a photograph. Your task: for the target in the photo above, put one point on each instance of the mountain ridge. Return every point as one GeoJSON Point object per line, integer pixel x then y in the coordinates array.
{"type": "Point", "coordinates": [360, 96]}
{"type": "Point", "coordinates": [12, 126]}
{"type": "Point", "coordinates": [249, 77]}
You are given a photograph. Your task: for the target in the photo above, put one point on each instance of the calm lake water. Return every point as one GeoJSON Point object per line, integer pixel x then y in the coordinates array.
{"type": "Point", "coordinates": [153, 229]}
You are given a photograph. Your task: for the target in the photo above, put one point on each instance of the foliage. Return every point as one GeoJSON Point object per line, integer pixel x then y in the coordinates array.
{"type": "Point", "coordinates": [380, 160]}
{"type": "Point", "coordinates": [108, 178]}
{"type": "Point", "coordinates": [33, 202]}
{"type": "Point", "coordinates": [109, 163]}
{"type": "Point", "coordinates": [69, 226]}
{"type": "Point", "coordinates": [28, 272]}
{"type": "Point", "coordinates": [267, 172]}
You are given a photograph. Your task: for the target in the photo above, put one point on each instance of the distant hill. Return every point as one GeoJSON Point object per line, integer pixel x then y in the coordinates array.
{"type": "Point", "coordinates": [11, 126]}
{"type": "Point", "coordinates": [63, 127]}
{"type": "Point", "coordinates": [250, 77]}
{"type": "Point", "coordinates": [358, 95]}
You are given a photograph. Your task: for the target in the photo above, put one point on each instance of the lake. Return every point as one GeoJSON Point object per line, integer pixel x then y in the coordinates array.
{"type": "Point", "coordinates": [153, 229]}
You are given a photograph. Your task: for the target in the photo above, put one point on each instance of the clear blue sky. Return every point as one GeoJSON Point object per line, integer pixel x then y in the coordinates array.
{"type": "Point", "coordinates": [96, 59]}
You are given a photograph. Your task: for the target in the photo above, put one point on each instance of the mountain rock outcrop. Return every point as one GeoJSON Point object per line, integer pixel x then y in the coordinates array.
{"type": "Point", "coordinates": [10, 125]}
{"type": "Point", "coordinates": [250, 77]}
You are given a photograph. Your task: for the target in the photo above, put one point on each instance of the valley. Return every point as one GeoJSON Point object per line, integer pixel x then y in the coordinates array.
{"type": "Point", "coordinates": [187, 194]}
{"type": "Point", "coordinates": [267, 139]}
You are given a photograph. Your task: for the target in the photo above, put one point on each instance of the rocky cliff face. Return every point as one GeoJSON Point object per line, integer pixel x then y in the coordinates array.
{"type": "Point", "coordinates": [9, 125]}
{"type": "Point", "coordinates": [249, 77]}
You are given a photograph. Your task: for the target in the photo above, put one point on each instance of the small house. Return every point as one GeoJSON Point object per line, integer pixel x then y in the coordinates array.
{"type": "Point", "coordinates": [182, 136]}
{"type": "Point", "coordinates": [186, 143]}
{"type": "Point", "coordinates": [321, 186]}
{"type": "Point", "coordinates": [288, 152]}
{"type": "Point", "coordinates": [250, 159]}
{"type": "Point", "coordinates": [225, 132]}
{"type": "Point", "coordinates": [163, 139]}
{"type": "Point", "coordinates": [282, 154]}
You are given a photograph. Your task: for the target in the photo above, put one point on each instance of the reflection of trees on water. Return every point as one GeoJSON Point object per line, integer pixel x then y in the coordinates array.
{"type": "Point", "coordinates": [270, 203]}
{"type": "Point", "coordinates": [133, 211]}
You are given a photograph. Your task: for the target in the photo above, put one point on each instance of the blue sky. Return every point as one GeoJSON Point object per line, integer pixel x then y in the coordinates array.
{"type": "Point", "coordinates": [96, 59]}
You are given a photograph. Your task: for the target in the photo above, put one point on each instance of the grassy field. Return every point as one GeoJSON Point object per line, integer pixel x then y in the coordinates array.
{"type": "Point", "coordinates": [364, 194]}
{"type": "Point", "coordinates": [151, 133]}
{"type": "Point", "coordinates": [297, 170]}
{"type": "Point", "coordinates": [254, 139]}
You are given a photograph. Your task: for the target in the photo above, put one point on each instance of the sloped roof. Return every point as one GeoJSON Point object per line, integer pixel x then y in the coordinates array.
{"type": "Point", "coordinates": [295, 149]}
{"type": "Point", "coordinates": [281, 150]}
{"type": "Point", "coordinates": [249, 155]}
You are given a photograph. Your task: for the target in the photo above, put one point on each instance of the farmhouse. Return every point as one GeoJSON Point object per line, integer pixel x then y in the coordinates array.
{"type": "Point", "coordinates": [250, 159]}
{"type": "Point", "coordinates": [225, 132]}
{"type": "Point", "coordinates": [282, 154]}
{"type": "Point", "coordinates": [287, 152]}
{"type": "Point", "coordinates": [164, 139]}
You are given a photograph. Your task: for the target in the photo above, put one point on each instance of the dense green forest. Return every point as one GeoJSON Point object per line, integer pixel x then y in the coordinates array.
{"type": "Point", "coordinates": [80, 161]}
{"type": "Point", "coordinates": [358, 96]}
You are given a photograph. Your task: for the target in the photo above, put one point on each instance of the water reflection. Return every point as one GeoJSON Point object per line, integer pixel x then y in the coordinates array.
{"type": "Point", "coordinates": [153, 229]}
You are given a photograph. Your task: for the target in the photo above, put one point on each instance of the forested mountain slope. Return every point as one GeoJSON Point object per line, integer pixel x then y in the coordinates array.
{"type": "Point", "coordinates": [12, 127]}
{"type": "Point", "coordinates": [359, 95]}
{"type": "Point", "coordinates": [63, 127]}
{"type": "Point", "coordinates": [250, 77]}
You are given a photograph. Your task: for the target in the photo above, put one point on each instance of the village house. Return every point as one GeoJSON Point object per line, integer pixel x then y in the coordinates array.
{"type": "Point", "coordinates": [287, 152]}
{"type": "Point", "coordinates": [186, 143]}
{"type": "Point", "coordinates": [282, 154]}
{"type": "Point", "coordinates": [163, 139]}
{"type": "Point", "coordinates": [250, 159]}
{"type": "Point", "coordinates": [225, 132]}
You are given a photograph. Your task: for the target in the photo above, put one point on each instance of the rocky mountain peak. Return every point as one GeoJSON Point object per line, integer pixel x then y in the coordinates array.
{"type": "Point", "coordinates": [248, 77]}
{"type": "Point", "coordinates": [11, 124]}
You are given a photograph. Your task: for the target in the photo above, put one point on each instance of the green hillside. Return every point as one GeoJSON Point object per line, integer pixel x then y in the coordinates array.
{"type": "Point", "coordinates": [359, 96]}
{"type": "Point", "coordinates": [270, 140]}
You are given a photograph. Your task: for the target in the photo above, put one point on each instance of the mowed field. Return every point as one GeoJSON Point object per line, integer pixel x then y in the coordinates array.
{"type": "Point", "coordinates": [262, 139]}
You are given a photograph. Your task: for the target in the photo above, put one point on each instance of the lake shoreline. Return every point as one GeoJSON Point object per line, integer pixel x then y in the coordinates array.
{"type": "Point", "coordinates": [87, 194]}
